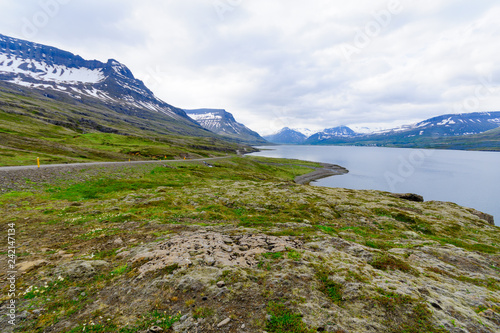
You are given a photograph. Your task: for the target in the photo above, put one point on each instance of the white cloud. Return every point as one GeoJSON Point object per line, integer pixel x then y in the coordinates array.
{"type": "Point", "coordinates": [274, 63]}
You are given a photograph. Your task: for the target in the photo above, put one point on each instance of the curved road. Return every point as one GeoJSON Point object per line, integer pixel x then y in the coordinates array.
{"type": "Point", "coordinates": [45, 166]}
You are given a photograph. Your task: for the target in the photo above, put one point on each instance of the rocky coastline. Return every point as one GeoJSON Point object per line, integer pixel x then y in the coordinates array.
{"type": "Point", "coordinates": [326, 170]}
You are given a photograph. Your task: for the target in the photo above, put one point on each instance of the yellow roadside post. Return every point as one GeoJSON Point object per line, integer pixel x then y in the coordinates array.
{"type": "Point", "coordinates": [38, 161]}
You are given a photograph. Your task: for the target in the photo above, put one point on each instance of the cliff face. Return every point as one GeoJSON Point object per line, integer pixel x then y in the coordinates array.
{"type": "Point", "coordinates": [236, 246]}
{"type": "Point", "coordinates": [223, 123]}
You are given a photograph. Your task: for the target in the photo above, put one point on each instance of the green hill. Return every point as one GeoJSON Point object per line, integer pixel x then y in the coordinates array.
{"type": "Point", "coordinates": [60, 129]}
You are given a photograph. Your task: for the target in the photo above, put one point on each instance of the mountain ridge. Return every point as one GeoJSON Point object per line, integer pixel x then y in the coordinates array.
{"type": "Point", "coordinates": [223, 123]}
{"type": "Point", "coordinates": [300, 136]}
{"type": "Point", "coordinates": [286, 136]}
{"type": "Point", "coordinates": [439, 131]}
{"type": "Point", "coordinates": [50, 69]}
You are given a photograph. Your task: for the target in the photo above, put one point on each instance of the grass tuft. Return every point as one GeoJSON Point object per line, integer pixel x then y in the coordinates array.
{"type": "Point", "coordinates": [284, 320]}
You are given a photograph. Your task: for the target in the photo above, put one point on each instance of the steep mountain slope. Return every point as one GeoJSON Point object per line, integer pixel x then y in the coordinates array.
{"type": "Point", "coordinates": [63, 76]}
{"type": "Point", "coordinates": [62, 108]}
{"type": "Point", "coordinates": [221, 122]}
{"type": "Point", "coordinates": [287, 136]}
{"type": "Point", "coordinates": [33, 125]}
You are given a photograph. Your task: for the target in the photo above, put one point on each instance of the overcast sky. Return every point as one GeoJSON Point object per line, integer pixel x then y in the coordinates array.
{"type": "Point", "coordinates": [295, 63]}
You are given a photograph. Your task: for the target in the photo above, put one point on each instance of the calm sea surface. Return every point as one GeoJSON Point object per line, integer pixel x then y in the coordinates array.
{"type": "Point", "coordinates": [470, 179]}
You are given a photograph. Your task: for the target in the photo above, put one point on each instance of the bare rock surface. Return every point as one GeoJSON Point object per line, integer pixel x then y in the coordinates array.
{"type": "Point", "coordinates": [25, 267]}
{"type": "Point", "coordinates": [212, 249]}
{"type": "Point", "coordinates": [78, 269]}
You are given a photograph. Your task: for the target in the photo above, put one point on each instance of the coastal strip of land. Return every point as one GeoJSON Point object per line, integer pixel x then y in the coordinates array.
{"type": "Point", "coordinates": [326, 170]}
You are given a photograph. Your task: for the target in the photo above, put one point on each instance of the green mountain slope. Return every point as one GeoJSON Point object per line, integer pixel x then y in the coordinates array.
{"type": "Point", "coordinates": [59, 129]}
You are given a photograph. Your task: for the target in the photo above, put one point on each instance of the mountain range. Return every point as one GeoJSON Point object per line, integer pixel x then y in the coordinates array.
{"type": "Point", "coordinates": [221, 122]}
{"type": "Point", "coordinates": [437, 132]}
{"type": "Point", "coordinates": [87, 96]}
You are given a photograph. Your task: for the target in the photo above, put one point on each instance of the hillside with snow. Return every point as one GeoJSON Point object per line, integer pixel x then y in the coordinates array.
{"type": "Point", "coordinates": [451, 131]}
{"type": "Point", "coordinates": [55, 71]}
{"type": "Point", "coordinates": [221, 122]}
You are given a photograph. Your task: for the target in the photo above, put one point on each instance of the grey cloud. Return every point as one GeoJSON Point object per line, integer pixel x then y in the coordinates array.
{"type": "Point", "coordinates": [281, 62]}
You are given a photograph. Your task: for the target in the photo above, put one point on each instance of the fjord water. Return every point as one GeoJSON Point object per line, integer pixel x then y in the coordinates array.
{"type": "Point", "coordinates": [468, 178]}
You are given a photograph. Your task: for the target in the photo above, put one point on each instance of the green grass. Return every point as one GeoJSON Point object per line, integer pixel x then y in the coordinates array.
{"type": "Point", "coordinates": [377, 244]}
{"type": "Point", "coordinates": [32, 126]}
{"type": "Point", "coordinates": [284, 320]}
{"type": "Point", "coordinates": [98, 189]}
{"type": "Point", "coordinates": [329, 287]}
{"type": "Point", "coordinates": [155, 318]}
{"type": "Point", "coordinates": [405, 314]}
{"type": "Point", "coordinates": [152, 203]}
{"type": "Point", "coordinates": [389, 262]}
{"type": "Point", "coordinates": [203, 312]}
{"type": "Point", "coordinates": [465, 245]}
{"type": "Point", "coordinates": [120, 270]}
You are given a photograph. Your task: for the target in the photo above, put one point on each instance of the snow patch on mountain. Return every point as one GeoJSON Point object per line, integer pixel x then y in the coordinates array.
{"type": "Point", "coordinates": [307, 132]}
{"type": "Point", "coordinates": [44, 72]}
{"type": "Point", "coordinates": [223, 123]}
{"type": "Point", "coordinates": [209, 116]}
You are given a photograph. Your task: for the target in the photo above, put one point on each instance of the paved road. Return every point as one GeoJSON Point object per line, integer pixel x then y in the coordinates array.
{"type": "Point", "coordinates": [46, 166]}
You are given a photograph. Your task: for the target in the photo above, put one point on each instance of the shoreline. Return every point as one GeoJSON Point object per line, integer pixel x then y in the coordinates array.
{"type": "Point", "coordinates": [327, 170]}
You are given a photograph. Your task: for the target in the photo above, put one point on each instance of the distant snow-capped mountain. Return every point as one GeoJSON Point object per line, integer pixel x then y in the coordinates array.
{"type": "Point", "coordinates": [330, 133]}
{"type": "Point", "coordinates": [221, 122]}
{"type": "Point", "coordinates": [456, 124]}
{"type": "Point", "coordinates": [286, 136]}
{"type": "Point", "coordinates": [47, 68]}
{"type": "Point", "coordinates": [436, 128]}
{"type": "Point", "coordinates": [446, 125]}
{"type": "Point", "coordinates": [450, 125]}
{"type": "Point", "coordinates": [306, 131]}
{"type": "Point", "coordinates": [300, 136]}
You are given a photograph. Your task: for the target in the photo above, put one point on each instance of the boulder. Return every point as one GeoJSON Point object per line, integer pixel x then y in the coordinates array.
{"type": "Point", "coordinates": [78, 269]}
{"type": "Point", "coordinates": [409, 197]}
{"type": "Point", "coordinates": [25, 267]}
{"type": "Point", "coordinates": [483, 216]}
